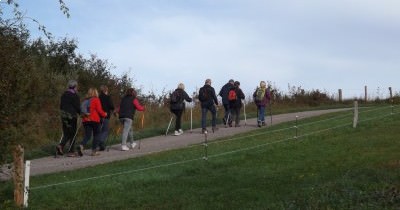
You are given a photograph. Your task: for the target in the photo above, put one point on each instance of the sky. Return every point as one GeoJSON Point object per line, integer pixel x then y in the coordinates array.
{"type": "Point", "coordinates": [312, 44]}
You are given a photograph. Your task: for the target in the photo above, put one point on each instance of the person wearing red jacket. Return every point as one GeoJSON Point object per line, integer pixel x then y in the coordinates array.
{"type": "Point", "coordinates": [129, 104]}
{"type": "Point", "coordinates": [91, 121]}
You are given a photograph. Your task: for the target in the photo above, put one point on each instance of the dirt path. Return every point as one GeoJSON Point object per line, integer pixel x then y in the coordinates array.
{"type": "Point", "coordinates": [153, 145]}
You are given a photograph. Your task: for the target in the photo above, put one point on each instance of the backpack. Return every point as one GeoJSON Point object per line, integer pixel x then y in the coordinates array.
{"type": "Point", "coordinates": [260, 94]}
{"type": "Point", "coordinates": [204, 95]}
{"type": "Point", "coordinates": [85, 107]}
{"type": "Point", "coordinates": [232, 95]}
{"type": "Point", "coordinates": [176, 97]}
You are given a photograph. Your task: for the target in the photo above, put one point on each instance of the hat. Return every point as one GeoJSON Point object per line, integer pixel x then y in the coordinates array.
{"type": "Point", "coordinates": [231, 80]}
{"type": "Point", "coordinates": [237, 83]}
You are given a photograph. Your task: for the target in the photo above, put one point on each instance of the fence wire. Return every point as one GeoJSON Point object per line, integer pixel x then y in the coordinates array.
{"type": "Point", "coordinates": [243, 149]}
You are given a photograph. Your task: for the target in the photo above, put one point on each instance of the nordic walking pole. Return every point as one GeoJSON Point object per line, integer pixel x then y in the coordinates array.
{"type": "Point", "coordinates": [244, 112]}
{"type": "Point", "coordinates": [270, 104]}
{"type": "Point", "coordinates": [73, 140]}
{"type": "Point", "coordinates": [142, 124]}
{"type": "Point", "coordinates": [169, 124]}
{"type": "Point", "coordinates": [191, 119]}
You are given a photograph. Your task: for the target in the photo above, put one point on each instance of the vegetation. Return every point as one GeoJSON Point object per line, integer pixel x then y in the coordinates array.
{"type": "Point", "coordinates": [330, 165]}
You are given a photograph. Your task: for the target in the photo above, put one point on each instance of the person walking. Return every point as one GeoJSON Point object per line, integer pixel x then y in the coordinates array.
{"type": "Point", "coordinates": [261, 97]}
{"type": "Point", "coordinates": [108, 107]}
{"type": "Point", "coordinates": [91, 113]}
{"type": "Point", "coordinates": [178, 106]}
{"type": "Point", "coordinates": [208, 101]}
{"type": "Point", "coordinates": [129, 105]}
{"type": "Point", "coordinates": [225, 102]}
{"type": "Point", "coordinates": [235, 103]}
{"type": "Point", "coordinates": [70, 109]}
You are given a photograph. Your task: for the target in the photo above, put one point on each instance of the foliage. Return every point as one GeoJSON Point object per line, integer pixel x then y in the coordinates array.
{"type": "Point", "coordinates": [257, 170]}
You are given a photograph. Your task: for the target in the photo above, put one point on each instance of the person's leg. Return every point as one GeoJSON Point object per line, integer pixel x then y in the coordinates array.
{"type": "Point", "coordinates": [96, 135]}
{"type": "Point", "coordinates": [237, 116]}
{"type": "Point", "coordinates": [178, 120]}
{"type": "Point", "coordinates": [226, 109]}
{"type": "Point", "coordinates": [214, 116]}
{"type": "Point", "coordinates": [262, 114]}
{"type": "Point", "coordinates": [103, 134]}
{"type": "Point", "coordinates": [127, 123]}
{"type": "Point", "coordinates": [203, 118]}
{"type": "Point", "coordinates": [88, 133]}
{"type": "Point", "coordinates": [175, 112]}
{"type": "Point", "coordinates": [259, 116]}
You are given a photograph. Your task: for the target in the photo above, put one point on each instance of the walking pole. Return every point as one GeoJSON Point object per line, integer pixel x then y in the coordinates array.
{"type": "Point", "coordinates": [73, 140]}
{"type": "Point", "coordinates": [59, 142]}
{"type": "Point", "coordinates": [244, 112]}
{"type": "Point", "coordinates": [169, 124]}
{"type": "Point", "coordinates": [191, 119]}
{"type": "Point", "coordinates": [142, 123]}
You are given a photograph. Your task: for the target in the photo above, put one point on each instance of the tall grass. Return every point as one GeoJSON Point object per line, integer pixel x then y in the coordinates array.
{"type": "Point", "coordinates": [330, 165]}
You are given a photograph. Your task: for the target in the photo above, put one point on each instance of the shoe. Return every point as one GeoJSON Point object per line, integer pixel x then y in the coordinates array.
{"type": "Point", "coordinates": [224, 120]}
{"type": "Point", "coordinates": [230, 124]}
{"type": "Point", "coordinates": [177, 133]}
{"type": "Point", "coordinates": [102, 148]}
{"type": "Point", "coordinates": [237, 125]}
{"type": "Point", "coordinates": [80, 150]}
{"type": "Point", "coordinates": [124, 148]}
{"type": "Point", "coordinates": [180, 131]}
{"type": "Point", "coordinates": [95, 153]}
{"type": "Point", "coordinates": [133, 145]}
{"type": "Point", "coordinates": [263, 124]}
{"type": "Point", "coordinates": [214, 129]}
{"type": "Point", "coordinates": [259, 124]}
{"type": "Point", "coordinates": [71, 154]}
{"type": "Point", "coordinates": [204, 131]}
{"type": "Point", "coordinates": [59, 150]}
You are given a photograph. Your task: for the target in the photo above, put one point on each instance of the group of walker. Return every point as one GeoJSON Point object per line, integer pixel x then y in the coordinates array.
{"type": "Point", "coordinates": [95, 119]}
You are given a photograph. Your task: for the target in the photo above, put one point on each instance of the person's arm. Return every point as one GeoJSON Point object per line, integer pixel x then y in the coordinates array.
{"type": "Point", "coordinates": [187, 97]}
{"type": "Point", "coordinates": [137, 105]}
{"type": "Point", "coordinates": [99, 108]}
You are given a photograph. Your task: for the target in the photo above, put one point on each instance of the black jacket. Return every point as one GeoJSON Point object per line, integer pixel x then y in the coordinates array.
{"type": "Point", "coordinates": [184, 97]}
{"type": "Point", "coordinates": [70, 104]}
{"type": "Point", "coordinates": [126, 108]}
{"type": "Point", "coordinates": [106, 104]}
{"type": "Point", "coordinates": [207, 96]}
{"type": "Point", "coordinates": [224, 92]}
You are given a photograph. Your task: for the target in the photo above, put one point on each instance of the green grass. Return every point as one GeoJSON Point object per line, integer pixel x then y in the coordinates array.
{"type": "Point", "coordinates": [340, 168]}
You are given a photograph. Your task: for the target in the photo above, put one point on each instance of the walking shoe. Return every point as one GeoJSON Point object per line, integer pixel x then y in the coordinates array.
{"type": "Point", "coordinates": [95, 153]}
{"type": "Point", "coordinates": [259, 124]}
{"type": "Point", "coordinates": [214, 129]}
{"type": "Point", "coordinates": [263, 124]}
{"type": "Point", "coordinates": [180, 131]}
{"type": "Point", "coordinates": [59, 150]}
{"type": "Point", "coordinates": [124, 148]}
{"type": "Point", "coordinates": [177, 133]}
{"type": "Point", "coordinates": [80, 150]}
{"type": "Point", "coordinates": [204, 131]}
{"type": "Point", "coordinates": [224, 120]}
{"type": "Point", "coordinates": [133, 145]}
{"type": "Point", "coordinates": [71, 154]}
{"type": "Point", "coordinates": [237, 125]}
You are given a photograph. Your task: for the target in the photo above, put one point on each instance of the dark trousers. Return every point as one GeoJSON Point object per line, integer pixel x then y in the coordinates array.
{"type": "Point", "coordinates": [227, 117]}
{"type": "Point", "coordinates": [204, 111]}
{"type": "Point", "coordinates": [178, 120]}
{"type": "Point", "coordinates": [69, 126]}
{"type": "Point", "coordinates": [91, 128]}
{"type": "Point", "coordinates": [235, 113]}
{"type": "Point", "coordinates": [103, 132]}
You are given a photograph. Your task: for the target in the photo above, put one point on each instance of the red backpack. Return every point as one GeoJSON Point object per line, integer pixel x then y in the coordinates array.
{"type": "Point", "coordinates": [232, 95]}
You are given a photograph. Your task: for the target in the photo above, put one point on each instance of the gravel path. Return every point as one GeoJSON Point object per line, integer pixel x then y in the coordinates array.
{"type": "Point", "coordinates": [151, 145]}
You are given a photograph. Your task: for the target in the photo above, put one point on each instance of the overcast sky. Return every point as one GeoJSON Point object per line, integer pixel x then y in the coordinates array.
{"type": "Point", "coordinates": [315, 44]}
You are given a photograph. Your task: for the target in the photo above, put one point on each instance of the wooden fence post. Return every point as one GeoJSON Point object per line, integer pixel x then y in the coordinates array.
{"type": "Point", "coordinates": [340, 96]}
{"type": "Point", "coordinates": [18, 175]}
{"type": "Point", "coordinates": [355, 119]}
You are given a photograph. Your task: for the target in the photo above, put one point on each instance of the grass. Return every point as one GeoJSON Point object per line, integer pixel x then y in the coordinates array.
{"type": "Point", "coordinates": [340, 168]}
